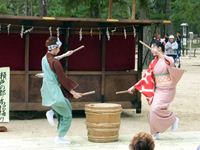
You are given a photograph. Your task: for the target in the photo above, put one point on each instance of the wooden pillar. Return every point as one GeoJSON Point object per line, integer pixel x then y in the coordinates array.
{"type": "Point", "coordinates": [140, 66]}
{"type": "Point", "coordinates": [103, 57]}
{"type": "Point", "coordinates": [26, 68]}
{"type": "Point", "coordinates": [133, 9]}
{"type": "Point", "coordinates": [66, 47]}
{"type": "Point", "coordinates": [110, 10]}
{"type": "Point", "coordinates": [140, 48]}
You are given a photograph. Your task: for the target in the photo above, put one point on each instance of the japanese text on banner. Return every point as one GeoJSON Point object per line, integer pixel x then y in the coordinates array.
{"type": "Point", "coordinates": [4, 93]}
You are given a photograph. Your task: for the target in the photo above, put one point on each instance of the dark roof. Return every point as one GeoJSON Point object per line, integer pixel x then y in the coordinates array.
{"type": "Point", "coordinates": [74, 22]}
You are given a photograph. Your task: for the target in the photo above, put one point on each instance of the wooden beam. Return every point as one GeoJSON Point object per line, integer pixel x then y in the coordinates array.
{"type": "Point", "coordinates": [27, 107]}
{"type": "Point", "coordinates": [76, 23]}
{"type": "Point", "coordinates": [26, 68]}
{"type": "Point", "coordinates": [133, 72]}
{"type": "Point", "coordinates": [103, 57]}
{"type": "Point", "coordinates": [133, 9]}
{"type": "Point", "coordinates": [17, 72]}
{"type": "Point", "coordinates": [75, 106]}
{"type": "Point", "coordinates": [110, 10]}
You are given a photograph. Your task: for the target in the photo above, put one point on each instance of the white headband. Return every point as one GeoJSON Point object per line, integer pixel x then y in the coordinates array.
{"type": "Point", "coordinates": [58, 44]}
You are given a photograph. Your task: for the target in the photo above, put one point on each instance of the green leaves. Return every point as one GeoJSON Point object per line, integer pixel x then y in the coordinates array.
{"type": "Point", "coordinates": [178, 11]}
{"type": "Point", "coordinates": [3, 9]}
{"type": "Point", "coordinates": [186, 11]}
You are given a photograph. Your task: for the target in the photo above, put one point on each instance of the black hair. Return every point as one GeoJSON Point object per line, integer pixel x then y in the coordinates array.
{"type": "Point", "coordinates": [159, 44]}
{"type": "Point", "coordinates": [142, 141]}
{"type": "Point", "coordinates": [51, 41]}
{"type": "Point", "coordinates": [141, 145]}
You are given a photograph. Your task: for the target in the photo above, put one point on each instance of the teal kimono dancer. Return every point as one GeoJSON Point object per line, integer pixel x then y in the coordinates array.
{"type": "Point", "coordinates": [52, 96]}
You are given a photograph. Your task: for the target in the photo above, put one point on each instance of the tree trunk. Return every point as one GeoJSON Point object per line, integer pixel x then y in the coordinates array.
{"type": "Point", "coordinates": [31, 8]}
{"type": "Point", "coordinates": [43, 7]}
{"type": "Point", "coordinates": [133, 9]}
{"type": "Point", "coordinates": [94, 9]}
{"type": "Point", "coordinates": [169, 28]}
{"type": "Point", "coordinates": [25, 7]}
{"type": "Point", "coordinates": [110, 9]}
{"type": "Point", "coordinates": [147, 36]}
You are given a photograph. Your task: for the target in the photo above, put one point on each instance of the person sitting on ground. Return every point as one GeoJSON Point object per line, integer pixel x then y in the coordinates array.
{"type": "Point", "coordinates": [142, 141]}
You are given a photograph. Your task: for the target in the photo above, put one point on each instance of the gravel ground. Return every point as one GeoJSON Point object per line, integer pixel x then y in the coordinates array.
{"type": "Point", "coordinates": [186, 104]}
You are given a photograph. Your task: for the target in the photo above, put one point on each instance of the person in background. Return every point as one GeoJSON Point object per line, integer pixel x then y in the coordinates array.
{"type": "Point", "coordinates": [166, 38]}
{"type": "Point", "coordinates": [142, 141]}
{"type": "Point", "coordinates": [156, 37]}
{"type": "Point", "coordinates": [178, 40]}
{"type": "Point", "coordinates": [52, 95]}
{"type": "Point", "coordinates": [171, 47]}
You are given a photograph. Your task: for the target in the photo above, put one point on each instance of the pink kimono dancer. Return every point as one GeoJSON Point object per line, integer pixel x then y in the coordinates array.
{"type": "Point", "coordinates": [160, 118]}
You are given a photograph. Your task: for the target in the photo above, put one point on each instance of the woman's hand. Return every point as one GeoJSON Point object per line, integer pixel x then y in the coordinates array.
{"type": "Point", "coordinates": [131, 90]}
{"type": "Point", "coordinates": [76, 95]}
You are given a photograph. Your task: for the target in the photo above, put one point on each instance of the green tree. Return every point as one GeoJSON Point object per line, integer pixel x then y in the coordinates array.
{"type": "Point", "coordinates": [20, 8]}
{"type": "Point", "coordinates": [56, 8]}
{"type": "Point", "coordinates": [178, 11]}
{"type": "Point", "coordinates": [3, 7]}
{"type": "Point", "coordinates": [122, 9]}
{"type": "Point", "coordinates": [98, 9]}
{"type": "Point", "coordinates": [85, 8]}
{"type": "Point", "coordinates": [186, 11]}
{"type": "Point", "coordinates": [160, 9]}
{"type": "Point", "coordinates": [143, 9]}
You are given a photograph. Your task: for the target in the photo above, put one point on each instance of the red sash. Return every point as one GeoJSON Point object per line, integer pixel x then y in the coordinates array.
{"type": "Point", "coordinates": [147, 83]}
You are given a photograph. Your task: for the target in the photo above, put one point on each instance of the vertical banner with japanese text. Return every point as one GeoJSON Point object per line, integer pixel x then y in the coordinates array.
{"type": "Point", "coordinates": [4, 93]}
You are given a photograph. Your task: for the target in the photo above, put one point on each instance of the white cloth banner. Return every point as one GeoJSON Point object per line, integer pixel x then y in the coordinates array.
{"type": "Point", "coordinates": [4, 94]}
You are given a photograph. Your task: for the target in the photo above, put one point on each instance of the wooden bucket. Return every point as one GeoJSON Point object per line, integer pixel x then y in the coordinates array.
{"type": "Point", "coordinates": [103, 121]}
